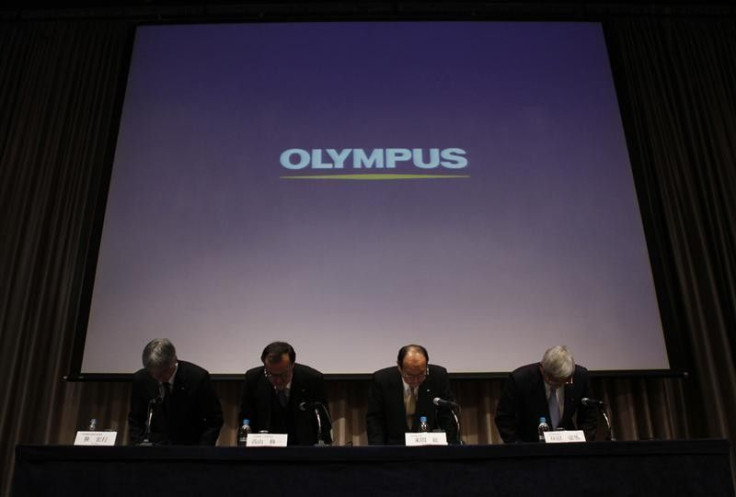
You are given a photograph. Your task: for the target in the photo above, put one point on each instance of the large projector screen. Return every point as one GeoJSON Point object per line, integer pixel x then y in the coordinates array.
{"type": "Point", "coordinates": [353, 187]}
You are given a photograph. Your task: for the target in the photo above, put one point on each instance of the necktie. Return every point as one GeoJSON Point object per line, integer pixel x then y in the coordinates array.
{"type": "Point", "coordinates": [283, 399]}
{"type": "Point", "coordinates": [554, 408]}
{"type": "Point", "coordinates": [410, 402]}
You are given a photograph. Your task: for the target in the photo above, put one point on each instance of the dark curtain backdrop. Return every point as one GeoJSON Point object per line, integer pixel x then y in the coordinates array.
{"type": "Point", "coordinates": [60, 84]}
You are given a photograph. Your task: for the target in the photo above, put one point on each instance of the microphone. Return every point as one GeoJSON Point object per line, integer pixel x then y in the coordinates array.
{"type": "Point", "coordinates": [444, 403]}
{"type": "Point", "coordinates": [303, 406]}
{"type": "Point", "coordinates": [316, 407]}
{"type": "Point", "coordinates": [146, 442]}
{"type": "Point", "coordinates": [602, 406]}
{"type": "Point", "coordinates": [452, 405]}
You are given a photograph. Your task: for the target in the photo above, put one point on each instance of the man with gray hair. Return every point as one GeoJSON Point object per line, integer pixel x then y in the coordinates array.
{"type": "Point", "coordinates": [551, 389]}
{"type": "Point", "coordinates": [185, 407]}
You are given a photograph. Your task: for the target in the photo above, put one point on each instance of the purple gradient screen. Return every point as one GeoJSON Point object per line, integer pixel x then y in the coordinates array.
{"type": "Point", "coordinates": [210, 240]}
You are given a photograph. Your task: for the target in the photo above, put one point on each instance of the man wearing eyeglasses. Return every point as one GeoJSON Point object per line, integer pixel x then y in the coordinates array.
{"type": "Point", "coordinates": [551, 389]}
{"type": "Point", "coordinates": [401, 394]}
{"type": "Point", "coordinates": [281, 397]}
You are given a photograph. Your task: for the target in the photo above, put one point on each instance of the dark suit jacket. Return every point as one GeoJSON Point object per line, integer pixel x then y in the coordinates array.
{"type": "Point", "coordinates": [257, 402]}
{"type": "Point", "coordinates": [523, 401]}
{"type": "Point", "coordinates": [386, 416]}
{"type": "Point", "coordinates": [192, 416]}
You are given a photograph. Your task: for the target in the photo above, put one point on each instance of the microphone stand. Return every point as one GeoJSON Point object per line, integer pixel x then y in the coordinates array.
{"type": "Point", "coordinates": [608, 423]}
{"type": "Point", "coordinates": [316, 406]}
{"type": "Point", "coordinates": [455, 417]}
{"type": "Point", "coordinates": [320, 442]}
{"type": "Point", "coordinates": [149, 417]}
{"type": "Point", "coordinates": [457, 423]}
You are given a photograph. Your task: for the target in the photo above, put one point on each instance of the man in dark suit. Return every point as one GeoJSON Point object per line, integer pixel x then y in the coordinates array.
{"type": "Point", "coordinates": [282, 396]}
{"type": "Point", "coordinates": [551, 389]}
{"type": "Point", "coordinates": [185, 407]}
{"type": "Point", "coordinates": [400, 395]}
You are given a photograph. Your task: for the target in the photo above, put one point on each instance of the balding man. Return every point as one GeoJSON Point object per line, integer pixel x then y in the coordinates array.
{"type": "Point", "coordinates": [401, 394]}
{"type": "Point", "coordinates": [551, 389]}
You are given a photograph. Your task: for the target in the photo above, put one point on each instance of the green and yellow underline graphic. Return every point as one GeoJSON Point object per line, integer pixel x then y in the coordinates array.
{"type": "Point", "coordinates": [378, 177]}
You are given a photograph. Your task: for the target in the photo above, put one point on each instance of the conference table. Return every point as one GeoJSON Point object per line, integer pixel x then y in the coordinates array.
{"type": "Point", "coordinates": [647, 468]}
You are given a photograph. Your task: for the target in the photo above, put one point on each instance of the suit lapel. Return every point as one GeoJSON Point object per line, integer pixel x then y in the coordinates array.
{"type": "Point", "coordinates": [263, 398]}
{"type": "Point", "coordinates": [179, 387]}
{"type": "Point", "coordinates": [571, 395]}
{"type": "Point", "coordinates": [425, 397]}
{"type": "Point", "coordinates": [298, 393]}
{"type": "Point", "coordinates": [298, 389]}
{"type": "Point", "coordinates": [396, 391]}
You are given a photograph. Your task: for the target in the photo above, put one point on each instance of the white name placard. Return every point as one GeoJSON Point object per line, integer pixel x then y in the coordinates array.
{"type": "Point", "coordinates": [266, 440]}
{"type": "Point", "coordinates": [556, 437]}
{"type": "Point", "coordinates": [95, 438]}
{"type": "Point", "coordinates": [426, 438]}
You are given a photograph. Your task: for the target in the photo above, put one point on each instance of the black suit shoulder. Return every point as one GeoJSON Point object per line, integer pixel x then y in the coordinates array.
{"type": "Point", "coordinates": [188, 371]}
{"type": "Point", "coordinates": [531, 372]}
{"type": "Point", "coordinates": [306, 371]}
{"type": "Point", "coordinates": [581, 371]}
{"type": "Point", "coordinates": [254, 372]}
{"type": "Point", "coordinates": [308, 385]}
{"type": "Point", "coordinates": [301, 372]}
{"type": "Point", "coordinates": [437, 370]}
{"type": "Point", "coordinates": [387, 374]}
{"type": "Point", "coordinates": [192, 369]}
{"type": "Point", "coordinates": [526, 372]}
{"type": "Point", "coordinates": [391, 373]}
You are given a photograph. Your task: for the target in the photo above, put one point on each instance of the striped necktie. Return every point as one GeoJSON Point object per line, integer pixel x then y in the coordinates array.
{"type": "Point", "coordinates": [554, 408]}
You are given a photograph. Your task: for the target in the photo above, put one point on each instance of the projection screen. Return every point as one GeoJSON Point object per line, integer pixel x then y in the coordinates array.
{"type": "Point", "coordinates": [353, 187]}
